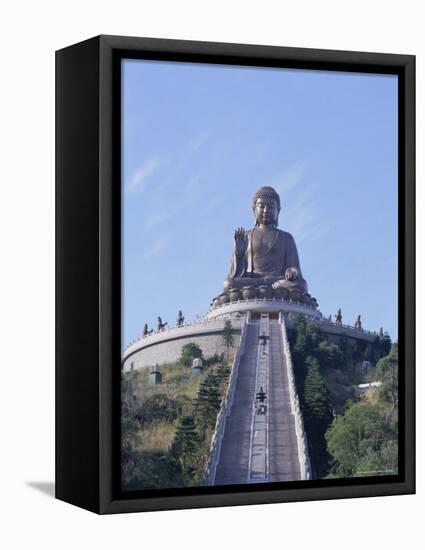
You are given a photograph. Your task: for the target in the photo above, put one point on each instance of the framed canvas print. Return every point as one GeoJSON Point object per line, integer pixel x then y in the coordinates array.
{"type": "Point", "coordinates": [235, 274]}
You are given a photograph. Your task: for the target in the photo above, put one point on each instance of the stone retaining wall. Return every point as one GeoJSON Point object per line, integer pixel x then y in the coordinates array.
{"type": "Point", "coordinates": [166, 346]}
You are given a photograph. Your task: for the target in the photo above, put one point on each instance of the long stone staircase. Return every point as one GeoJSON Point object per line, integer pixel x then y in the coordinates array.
{"type": "Point", "coordinates": [265, 445]}
{"type": "Point", "coordinates": [233, 463]}
{"type": "Point", "coordinates": [283, 451]}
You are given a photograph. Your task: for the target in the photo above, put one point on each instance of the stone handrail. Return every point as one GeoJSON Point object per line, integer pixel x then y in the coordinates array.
{"type": "Point", "coordinates": [341, 325]}
{"type": "Point", "coordinates": [304, 459]}
{"type": "Point", "coordinates": [224, 412]}
{"type": "Point", "coordinates": [255, 300]}
{"type": "Point", "coordinates": [258, 304]}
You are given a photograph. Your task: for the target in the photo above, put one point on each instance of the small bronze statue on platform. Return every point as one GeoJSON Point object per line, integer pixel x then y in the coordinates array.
{"type": "Point", "coordinates": [338, 317]}
{"type": "Point", "coordinates": [180, 318]}
{"type": "Point", "coordinates": [358, 323]}
{"type": "Point", "coordinates": [146, 330]}
{"type": "Point", "coordinates": [161, 325]}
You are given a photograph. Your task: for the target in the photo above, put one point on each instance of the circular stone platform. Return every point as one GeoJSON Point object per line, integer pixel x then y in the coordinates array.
{"type": "Point", "coordinates": [165, 345]}
{"type": "Point", "coordinates": [264, 305]}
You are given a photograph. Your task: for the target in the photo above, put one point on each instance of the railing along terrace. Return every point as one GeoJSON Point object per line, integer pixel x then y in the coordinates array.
{"type": "Point", "coordinates": [259, 300]}
{"type": "Point", "coordinates": [167, 328]}
{"type": "Point", "coordinates": [350, 327]}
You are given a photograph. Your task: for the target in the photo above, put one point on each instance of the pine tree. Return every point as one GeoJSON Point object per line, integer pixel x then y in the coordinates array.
{"type": "Point", "coordinates": [208, 402]}
{"type": "Point", "coordinates": [186, 439]}
{"type": "Point", "coordinates": [317, 411]}
{"type": "Point", "coordinates": [316, 394]}
{"type": "Point", "coordinates": [314, 337]}
{"type": "Point", "coordinates": [223, 373]}
{"type": "Point", "coordinates": [228, 335]}
{"type": "Point", "coordinates": [186, 448]}
{"type": "Point", "coordinates": [344, 346]}
{"type": "Point", "coordinates": [300, 351]}
{"type": "Point", "coordinates": [385, 345]}
{"type": "Point", "coordinates": [300, 346]}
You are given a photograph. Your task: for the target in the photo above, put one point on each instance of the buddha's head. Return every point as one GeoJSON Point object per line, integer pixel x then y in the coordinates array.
{"type": "Point", "coordinates": [266, 206]}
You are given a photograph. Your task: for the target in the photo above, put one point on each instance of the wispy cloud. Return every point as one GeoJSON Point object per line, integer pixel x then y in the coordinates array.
{"type": "Point", "coordinates": [289, 178]}
{"type": "Point", "coordinates": [184, 159]}
{"type": "Point", "coordinates": [308, 223]}
{"type": "Point", "coordinates": [190, 186]}
{"type": "Point", "coordinates": [155, 218]}
{"type": "Point", "coordinates": [143, 173]}
{"type": "Point", "coordinates": [157, 246]}
{"type": "Point", "coordinates": [165, 215]}
{"type": "Point", "coordinates": [190, 189]}
{"type": "Point", "coordinates": [197, 143]}
{"type": "Point", "coordinates": [310, 228]}
{"type": "Point", "coordinates": [301, 214]}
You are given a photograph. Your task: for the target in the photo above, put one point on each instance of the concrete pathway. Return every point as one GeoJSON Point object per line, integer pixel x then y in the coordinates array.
{"type": "Point", "coordinates": [283, 450]}
{"type": "Point", "coordinates": [260, 448]}
{"type": "Point", "coordinates": [234, 456]}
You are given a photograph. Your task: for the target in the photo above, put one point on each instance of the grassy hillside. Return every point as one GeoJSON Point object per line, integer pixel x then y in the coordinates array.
{"type": "Point", "coordinates": [178, 386]}
{"type": "Point", "coordinates": [167, 427]}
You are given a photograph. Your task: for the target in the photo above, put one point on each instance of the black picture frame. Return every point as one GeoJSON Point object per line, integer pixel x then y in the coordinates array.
{"type": "Point", "coordinates": [88, 271]}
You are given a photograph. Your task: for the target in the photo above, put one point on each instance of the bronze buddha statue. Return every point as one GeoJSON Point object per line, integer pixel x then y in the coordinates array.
{"type": "Point", "coordinates": [265, 256]}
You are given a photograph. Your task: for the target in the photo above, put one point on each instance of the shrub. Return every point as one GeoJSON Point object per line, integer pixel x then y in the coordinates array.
{"type": "Point", "coordinates": [190, 352]}
{"type": "Point", "coordinates": [154, 470]}
{"type": "Point", "coordinates": [159, 407]}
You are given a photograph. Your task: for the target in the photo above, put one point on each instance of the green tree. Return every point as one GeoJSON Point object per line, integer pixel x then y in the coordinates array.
{"type": "Point", "coordinates": [154, 470]}
{"type": "Point", "coordinates": [223, 372]}
{"type": "Point", "coordinates": [345, 348]}
{"type": "Point", "coordinates": [387, 374]}
{"type": "Point", "coordinates": [210, 396]}
{"type": "Point", "coordinates": [359, 350]}
{"type": "Point", "coordinates": [385, 345]}
{"type": "Point", "coordinates": [330, 356]}
{"type": "Point", "coordinates": [300, 346]}
{"type": "Point", "coordinates": [307, 342]}
{"type": "Point", "coordinates": [130, 439]}
{"type": "Point", "coordinates": [316, 394]}
{"type": "Point", "coordinates": [186, 448]}
{"type": "Point", "coordinates": [314, 337]}
{"type": "Point", "coordinates": [208, 402]}
{"type": "Point", "coordinates": [317, 412]}
{"type": "Point", "coordinates": [228, 335]}
{"type": "Point", "coordinates": [299, 351]}
{"type": "Point", "coordinates": [190, 352]}
{"type": "Point", "coordinates": [364, 440]}
{"type": "Point", "coordinates": [361, 442]}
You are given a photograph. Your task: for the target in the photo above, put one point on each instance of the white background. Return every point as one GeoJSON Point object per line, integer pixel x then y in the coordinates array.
{"type": "Point", "coordinates": [30, 33]}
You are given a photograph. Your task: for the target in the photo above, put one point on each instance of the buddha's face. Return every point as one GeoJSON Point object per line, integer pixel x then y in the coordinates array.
{"type": "Point", "coordinates": [266, 211]}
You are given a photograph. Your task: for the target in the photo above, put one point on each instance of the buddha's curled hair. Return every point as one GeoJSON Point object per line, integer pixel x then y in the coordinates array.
{"type": "Point", "coordinates": [266, 193]}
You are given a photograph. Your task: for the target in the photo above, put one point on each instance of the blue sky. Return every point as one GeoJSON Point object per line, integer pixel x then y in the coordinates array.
{"type": "Point", "coordinates": [199, 140]}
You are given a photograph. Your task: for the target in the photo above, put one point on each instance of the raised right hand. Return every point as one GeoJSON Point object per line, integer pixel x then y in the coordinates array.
{"type": "Point", "coordinates": [240, 241]}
